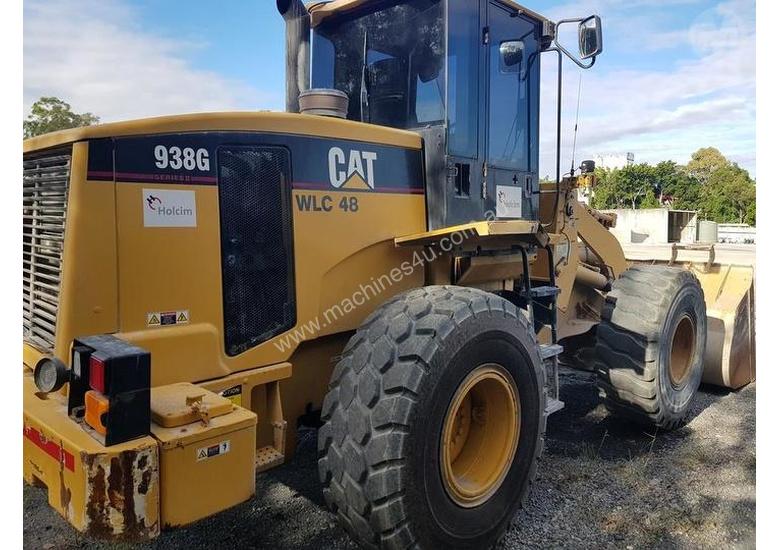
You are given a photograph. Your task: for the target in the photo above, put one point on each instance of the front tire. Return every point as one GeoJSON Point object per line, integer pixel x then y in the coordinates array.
{"type": "Point", "coordinates": [433, 422]}
{"type": "Point", "coordinates": [650, 344]}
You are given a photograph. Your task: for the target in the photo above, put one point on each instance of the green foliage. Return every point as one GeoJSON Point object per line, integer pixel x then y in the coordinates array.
{"type": "Point", "coordinates": [730, 196]}
{"type": "Point", "coordinates": [704, 163]}
{"type": "Point", "coordinates": [628, 187]}
{"type": "Point", "coordinates": [50, 114]}
{"type": "Point", "coordinates": [718, 189]}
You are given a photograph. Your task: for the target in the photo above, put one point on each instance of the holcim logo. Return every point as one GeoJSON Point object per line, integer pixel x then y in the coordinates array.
{"type": "Point", "coordinates": [153, 202]}
{"type": "Point", "coordinates": [164, 208]}
{"type": "Point", "coordinates": [509, 203]}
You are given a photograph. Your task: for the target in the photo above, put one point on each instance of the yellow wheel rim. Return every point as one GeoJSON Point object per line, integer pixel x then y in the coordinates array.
{"type": "Point", "coordinates": [480, 436]}
{"type": "Point", "coordinates": [681, 354]}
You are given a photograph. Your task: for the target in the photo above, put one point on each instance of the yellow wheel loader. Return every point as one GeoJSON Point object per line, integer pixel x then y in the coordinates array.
{"type": "Point", "coordinates": [381, 261]}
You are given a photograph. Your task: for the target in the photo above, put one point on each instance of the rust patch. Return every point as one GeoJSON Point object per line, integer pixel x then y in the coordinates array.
{"type": "Point", "coordinates": [98, 524]}
{"type": "Point", "coordinates": [114, 498]}
{"type": "Point", "coordinates": [115, 482]}
{"type": "Point", "coordinates": [146, 479]}
{"type": "Point", "coordinates": [64, 495]}
{"type": "Point", "coordinates": [131, 520]}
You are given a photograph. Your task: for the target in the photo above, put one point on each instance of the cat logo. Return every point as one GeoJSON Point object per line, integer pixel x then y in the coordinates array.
{"type": "Point", "coordinates": [354, 170]}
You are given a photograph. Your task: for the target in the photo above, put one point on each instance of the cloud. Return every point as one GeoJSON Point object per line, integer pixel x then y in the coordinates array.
{"type": "Point", "coordinates": [700, 94]}
{"type": "Point", "coordinates": [95, 55]}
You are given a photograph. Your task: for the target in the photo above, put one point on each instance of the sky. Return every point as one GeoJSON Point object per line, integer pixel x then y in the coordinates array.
{"type": "Point", "coordinates": [675, 75]}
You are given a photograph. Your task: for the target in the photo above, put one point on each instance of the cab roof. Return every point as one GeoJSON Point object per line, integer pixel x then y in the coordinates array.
{"type": "Point", "coordinates": [320, 10]}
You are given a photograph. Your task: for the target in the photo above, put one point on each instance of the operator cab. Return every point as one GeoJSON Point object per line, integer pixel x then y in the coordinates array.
{"type": "Point", "coordinates": [464, 75]}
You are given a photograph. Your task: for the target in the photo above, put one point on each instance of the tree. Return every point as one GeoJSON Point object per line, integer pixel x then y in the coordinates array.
{"type": "Point", "coordinates": [50, 114]}
{"type": "Point", "coordinates": [705, 162]}
{"type": "Point", "coordinates": [730, 196]}
{"type": "Point", "coordinates": [635, 186]}
{"type": "Point", "coordinates": [676, 184]}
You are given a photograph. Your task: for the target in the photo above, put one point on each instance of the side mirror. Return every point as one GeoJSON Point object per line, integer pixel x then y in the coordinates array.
{"type": "Point", "coordinates": [511, 53]}
{"type": "Point", "coordinates": [590, 37]}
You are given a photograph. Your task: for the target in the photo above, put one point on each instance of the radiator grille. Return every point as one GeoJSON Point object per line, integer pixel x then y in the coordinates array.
{"type": "Point", "coordinates": [45, 198]}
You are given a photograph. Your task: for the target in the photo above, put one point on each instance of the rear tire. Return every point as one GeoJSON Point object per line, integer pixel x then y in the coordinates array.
{"type": "Point", "coordinates": [388, 408]}
{"type": "Point", "coordinates": [650, 344]}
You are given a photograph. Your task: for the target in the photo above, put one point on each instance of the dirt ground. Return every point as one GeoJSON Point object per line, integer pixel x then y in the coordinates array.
{"type": "Point", "coordinates": [602, 483]}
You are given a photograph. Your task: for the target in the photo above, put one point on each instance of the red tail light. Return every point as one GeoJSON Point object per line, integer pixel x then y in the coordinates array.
{"type": "Point", "coordinates": [97, 374]}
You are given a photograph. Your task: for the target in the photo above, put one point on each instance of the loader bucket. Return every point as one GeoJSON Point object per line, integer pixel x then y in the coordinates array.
{"type": "Point", "coordinates": [729, 291]}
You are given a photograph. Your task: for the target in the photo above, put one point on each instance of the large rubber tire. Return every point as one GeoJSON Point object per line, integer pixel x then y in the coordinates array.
{"type": "Point", "coordinates": [647, 310]}
{"type": "Point", "coordinates": [383, 417]}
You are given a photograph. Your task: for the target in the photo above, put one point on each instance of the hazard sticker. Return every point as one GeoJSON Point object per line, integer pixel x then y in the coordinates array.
{"type": "Point", "coordinates": [233, 394]}
{"type": "Point", "coordinates": [167, 318]}
{"type": "Point", "coordinates": [214, 450]}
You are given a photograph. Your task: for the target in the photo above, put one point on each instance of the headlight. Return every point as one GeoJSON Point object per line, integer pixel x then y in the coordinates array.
{"type": "Point", "coordinates": [50, 374]}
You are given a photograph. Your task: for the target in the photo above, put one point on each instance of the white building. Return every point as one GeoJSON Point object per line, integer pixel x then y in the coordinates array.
{"type": "Point", "coordinates": [736, 233]}
{"type": "Point", "coordinates": [614, 160]}
{"type": "Point", "coordinates": [654, 225]}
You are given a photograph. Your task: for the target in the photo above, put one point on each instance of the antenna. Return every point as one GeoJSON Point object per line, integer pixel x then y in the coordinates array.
{"type": "Point", "coordinates": [576, 124]}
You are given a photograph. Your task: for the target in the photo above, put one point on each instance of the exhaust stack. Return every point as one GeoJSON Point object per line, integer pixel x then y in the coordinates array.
{"type": "Point", "coordinates": [298, 50]}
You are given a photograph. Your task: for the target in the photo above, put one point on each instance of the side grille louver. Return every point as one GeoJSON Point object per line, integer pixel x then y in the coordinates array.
{"type": "Point", "coordinates": [45, 199]}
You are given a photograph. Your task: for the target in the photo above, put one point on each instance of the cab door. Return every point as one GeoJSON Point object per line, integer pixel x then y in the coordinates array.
{"type": "Point", "coordinates": [510, 171]}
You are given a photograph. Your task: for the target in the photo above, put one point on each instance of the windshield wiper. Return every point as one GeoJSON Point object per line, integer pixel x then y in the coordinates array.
{"type": "Point", "coordinates": [364, 110]}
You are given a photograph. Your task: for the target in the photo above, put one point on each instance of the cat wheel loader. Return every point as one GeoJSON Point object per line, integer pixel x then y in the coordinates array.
{"type": "Point", "coordinates": [380, 260]}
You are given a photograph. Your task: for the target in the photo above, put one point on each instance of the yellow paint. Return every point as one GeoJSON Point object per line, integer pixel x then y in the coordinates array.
{"type": "Point", "coordinates": [480, 436]}
{"type": "Point", "coordinates": [598, 238]}
{"type": "Point", "coordinates": [497, 228]}
{"type": "Point", "coordinates": [31, 355]}
{"type": "Point", "coordinates": [196, 486]}
{"type": "Point", "coordinates": [184, 403]}
{"type": "Point", "coordinates": [88, 289]}
{"type": "Point", "coordinates": [252, 121]}
{"type": "Point", "coordinates": [355, 182]}
{"type": "Point", "coordinates": [333, 263]}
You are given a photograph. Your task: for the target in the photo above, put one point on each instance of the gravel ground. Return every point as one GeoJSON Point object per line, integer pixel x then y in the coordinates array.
{"type": "Point", "coordinates": [602, 483]}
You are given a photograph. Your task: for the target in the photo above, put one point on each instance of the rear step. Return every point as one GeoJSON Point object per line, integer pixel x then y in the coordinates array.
{"type": "Point", "coordinates": [550, 350]}
{"type": "Point", "coordinates": [541, 304]}
{"type": "Point", "coordinates": [553, 406]}
{"type": "Point", "coordinates": [550, 354]}
{"type": "Point", "coordinates": [544, 291]}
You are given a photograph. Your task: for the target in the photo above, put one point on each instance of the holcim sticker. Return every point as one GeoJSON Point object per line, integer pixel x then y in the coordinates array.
{"type": "Point", "coordinates": [509, 202]}
{"type": "Point", "coordinates": [164, 208]}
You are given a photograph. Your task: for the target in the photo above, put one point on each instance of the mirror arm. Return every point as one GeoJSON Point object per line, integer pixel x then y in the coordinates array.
{"type": "Point", "coordinates": [560, 47]}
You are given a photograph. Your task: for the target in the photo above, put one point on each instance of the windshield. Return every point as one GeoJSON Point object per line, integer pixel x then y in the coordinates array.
{"type": "Point", "coordinates": [389, 61]}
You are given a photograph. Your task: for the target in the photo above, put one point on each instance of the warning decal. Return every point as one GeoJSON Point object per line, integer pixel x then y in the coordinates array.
{"type": "Point", "coordinates": [233, 394]}
{"type": "Point", "coordinates": [166, 318]}
{"type": "Point", "coordinates": [214, 450]}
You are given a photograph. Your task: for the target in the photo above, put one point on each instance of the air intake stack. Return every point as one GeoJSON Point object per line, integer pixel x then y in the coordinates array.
{"type": "Point", "coordinates": [297, 32]}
